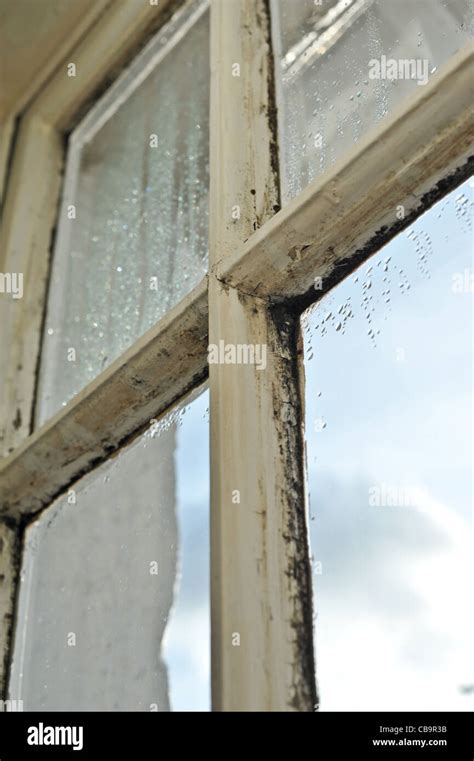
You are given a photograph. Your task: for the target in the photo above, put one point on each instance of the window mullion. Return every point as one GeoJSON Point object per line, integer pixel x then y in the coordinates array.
{"type": "Point", "coordinates": [262, 656]}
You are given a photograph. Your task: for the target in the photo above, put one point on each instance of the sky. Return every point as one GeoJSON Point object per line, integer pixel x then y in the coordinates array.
{"type": "Point", "coordinates": [187, 639]}
{"type": "Point", "coordinates": [389, 449]}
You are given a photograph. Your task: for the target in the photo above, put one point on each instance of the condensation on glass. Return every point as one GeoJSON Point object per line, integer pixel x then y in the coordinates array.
{"type": "Point", "coordinates": [388, 364]}
{"type": "Point", "coordinates": [342, 65]}
{"type": "Point", "coordinates": [133, 224]}
{"type": "Point", "coordinates": [114, 595]}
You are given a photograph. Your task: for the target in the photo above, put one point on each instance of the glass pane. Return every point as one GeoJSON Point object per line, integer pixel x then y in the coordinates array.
{"type": "Point", "coordinates": [114, 597]}
{"type": "Point", "coordinates": [334, 73]}
{"type": "Point", "coordinates": [132, 238]}
{"type": "Point", "coordinates": [388, 361]}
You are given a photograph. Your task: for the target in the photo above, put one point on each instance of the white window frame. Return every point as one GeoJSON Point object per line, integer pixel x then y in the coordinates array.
{"type": "Point", "coordinates": [262, 270]}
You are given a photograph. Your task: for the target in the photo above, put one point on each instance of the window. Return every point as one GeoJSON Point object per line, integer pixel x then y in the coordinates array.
{"type": "Point", "coordinates": [262, 185]}
{"type": "Point", "coordinates": [389, 461]}
{"type": "Point", "coordinates": [100, 591]}
{"type": "Point", "coordinates": [132, 238]}
{"type": "Point", "coordinates": [346, 64]}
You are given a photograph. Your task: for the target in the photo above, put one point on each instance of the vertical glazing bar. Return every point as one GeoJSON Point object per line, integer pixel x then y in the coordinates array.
{"type": "Point", "coordinates": [262, 657]}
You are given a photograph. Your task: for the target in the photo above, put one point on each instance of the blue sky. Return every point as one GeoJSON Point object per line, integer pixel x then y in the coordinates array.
{"type": "Point", "coordinates": [394, 600]}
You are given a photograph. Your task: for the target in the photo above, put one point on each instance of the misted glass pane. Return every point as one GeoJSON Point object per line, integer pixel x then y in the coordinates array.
{"type": "Point", "coordinates": [388, 361]}
{"type": "Point", "coordinates": [114, 597]}
{"type": "Point", "coordinates": [132, 236]}
{"type": "Point", "coordinates": [342, 65]}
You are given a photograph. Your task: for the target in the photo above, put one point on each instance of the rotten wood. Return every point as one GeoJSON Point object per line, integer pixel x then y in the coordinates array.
{"type": "Point", "coordinates": [262, 652]}
{"type": "Point", "coordinates": [9, 572]}
{"type": "Point", "coordinates": [160, 368]}
{"type": "Point", "coordinates": [352, 209]}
